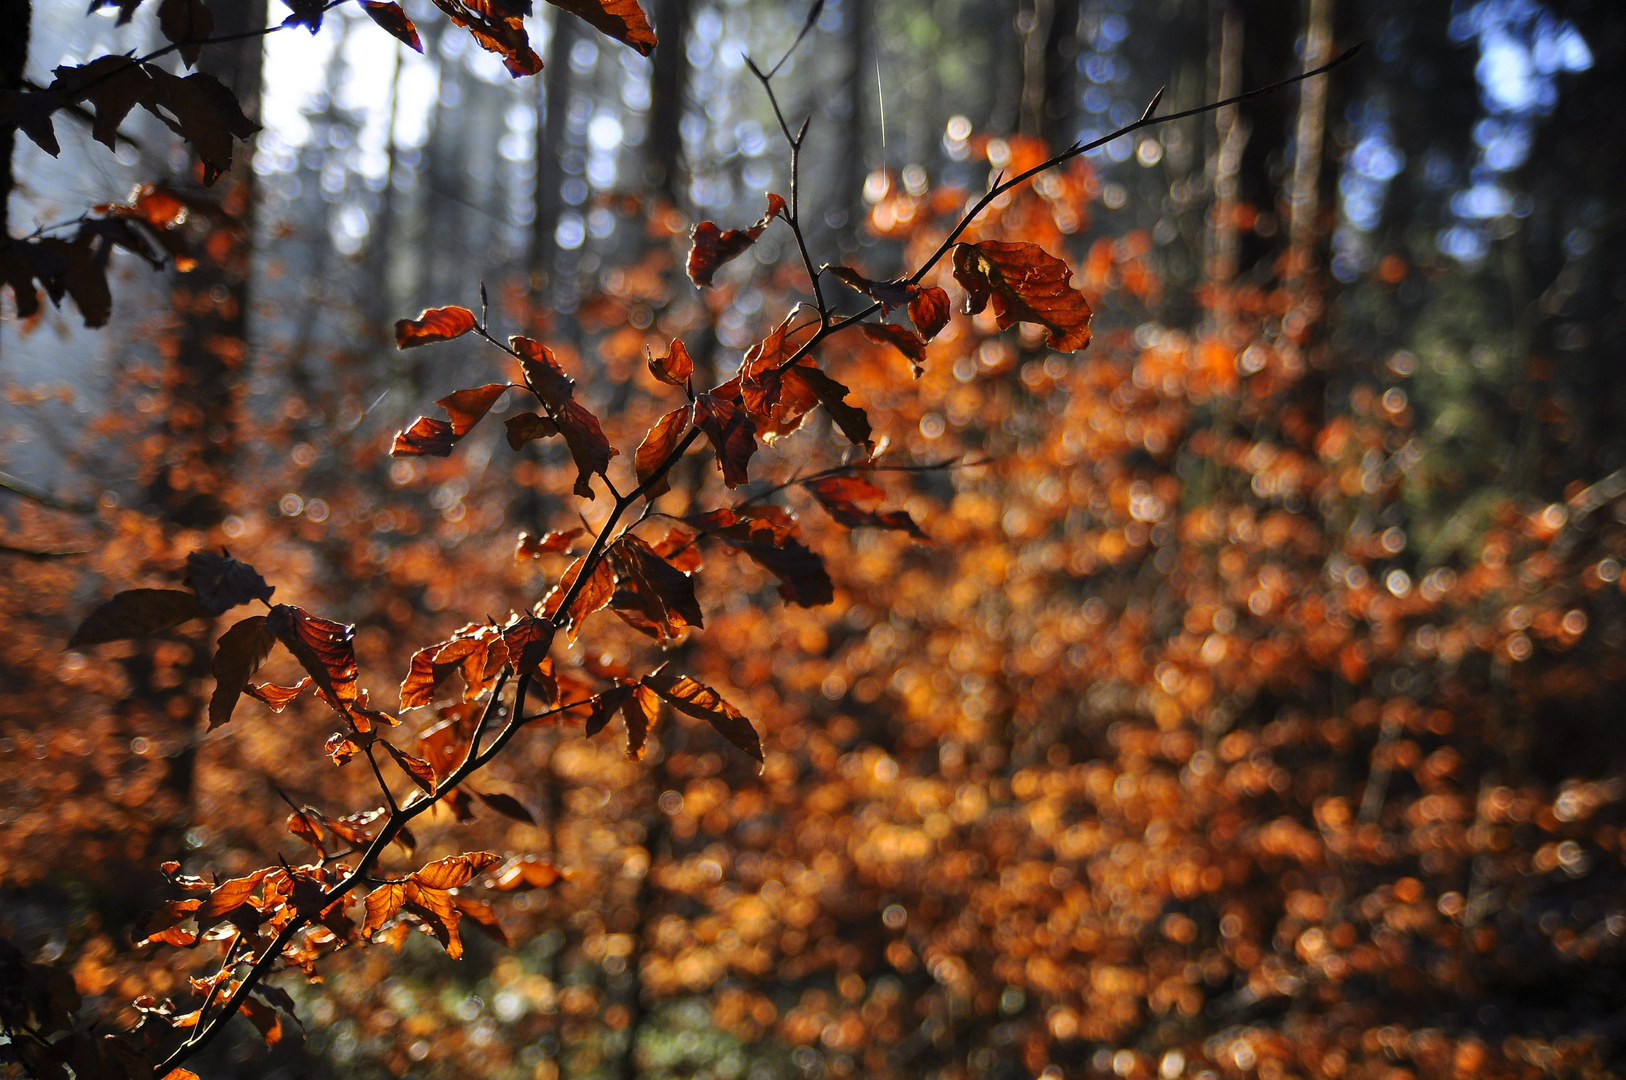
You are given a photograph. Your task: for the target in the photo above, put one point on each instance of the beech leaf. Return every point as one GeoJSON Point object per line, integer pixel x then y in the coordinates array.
{"type": "Point", "coordinates": [137, 613]}
{"type": "Point", "coordinates": [432, 325]}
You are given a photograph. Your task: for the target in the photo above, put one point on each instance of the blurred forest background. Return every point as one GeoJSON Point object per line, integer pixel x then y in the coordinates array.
{"type": "Point", "coordinates": [1256, 714]}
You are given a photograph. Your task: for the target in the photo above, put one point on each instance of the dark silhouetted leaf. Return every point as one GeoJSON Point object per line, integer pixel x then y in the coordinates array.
{"type": "Point", "coordinates": [239, 654]}
{"type": "Point", "coordinates": [731, 433]}
{"type": "Point", "coordinates": [223, 582]}
{"type": "Point", "coordinates": [852, 420]}
{"type": "Point", "coordinates": [186, 23]}
{"type": "Point", "coordinates": [137, 613]}
{"type": "Point", "coordinates": [603, 707]}
{"type": "Point", "coordinates": [434, 324]}
{"type": "Point", "coordinates": [890, 294]}
{"type": "Point", "coordinates": [207, 115]}
{"type": "Point", "coordinates": [306, 13]}
{"type": "Point", "coordinates": [901, 338]}
{"type": "Point", "coordinates": [769, 542]}
{"type": "Point", "coordinates": [588, 447]}
{"type": "Point", "coordinates": [711, 247]}
{"type": "Point", "coordinates": [395, 21]}
{"type": "Point", "coordinates": [31, 111]}
{"type": "Point", "coordinates": [842, 496]}
{"type": "Point", "coordinates": [704, 703]}
{"type": "Point", "coordinates": [657, 446]}
{"type": "Point", "coordinates": [675, 367]}
{"type": "Point", "coordinates": [112, 85]}
{"type": "Point", "coordinates": [623, 20]}
{"type": "Point", "coordinates": [325, 649]}
{"type": "Point", "coordinates": [1026, 285]}
{"type": "Point", "coordinates": [507, 806]}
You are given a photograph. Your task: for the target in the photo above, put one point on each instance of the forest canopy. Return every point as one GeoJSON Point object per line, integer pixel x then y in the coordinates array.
{"type": "Point", "coordinates": [712, 538]}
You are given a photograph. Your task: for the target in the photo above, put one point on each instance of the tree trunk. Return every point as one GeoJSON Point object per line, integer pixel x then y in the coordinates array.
{"type": "Point", "coordinates": [1303, 193]}
{"type": "Point", "coordinates": [550, 141]}
{"type": "Point", "coordinates": [204, 382]}
{"type": "Point", "coordinates": [668, 87]}
{"type": "Point", "coordinates": [1231, 137]}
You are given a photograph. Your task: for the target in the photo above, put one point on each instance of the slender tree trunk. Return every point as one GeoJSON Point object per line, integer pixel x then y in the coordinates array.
{"type": "Point", "coordinates": [856, 134]}
{"type": "Point", "coordinates": [550, 144]}
{"type": "Point", "coordinates": [668, 86]}
{"type": "Point", "coordinates": [1231, 134]}
{"type": "Point", "coordinates": [1056, 122]}
{"type": "Point", "coordinates": [1303, 193]}
{"type": "Point", "coordinates": [1033, 25]}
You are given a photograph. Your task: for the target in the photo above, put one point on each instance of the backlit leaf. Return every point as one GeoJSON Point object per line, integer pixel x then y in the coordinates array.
{"type": "Point", "coordinates": [1026, 285]}
{"type": "Point", "coordinates": [480, 914]}
{"type": "Point", "coordinates": [325, 649]}
{"type": "Point", "coordinates": [455, 870]}
{"type": "Point", "coordinates": [588, 446]}
{"type": "Point", "coordinates": [524, 874]}
{"type": "Point", "coordinates": [527, 427]}
{"type": "Point", "coordinates": [702, 702]}
{"type": "Point", "coordinates": [137, 613]}
{"type": "Point", "coordinates": [775, 402]}
{"type": "Point", "coordinates": [675, 367]}
{"type": "Point", "coordinates": [500, 32]}
{"type": "Point", "coordinates": [382, 904]}
{"type": "Point", "coordinates": [649, 584]}
{"type": "Point", "coordinates": [395, 21]}
{"type": "Point", "coordinates": [731, 433]}
{"type": "Point", "coordinates": [434, 324]}
{"type": "Point", "coordinates": [657, 446]}
{"type": "Point", "coordinates": [901, 338]}
{"type": "Point", "coordinates": [929, 310]}
{"type": "Point", "coordinates": [594, 594]}
{"type": "Point", "coordinates": [420, 771]}
{"type": "Point", "coordinates": [623, 20]}
{"type": "Point", "coordinates": [852, 421]}
{"type": "Point", "coordinates": [557, 542]}
{"type": "Point", "coordinates": [841, 496]}
{"type": "Point", "coordinates": [278, 697]}
{"type": "Point", "coordinates": [711, 247]}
